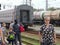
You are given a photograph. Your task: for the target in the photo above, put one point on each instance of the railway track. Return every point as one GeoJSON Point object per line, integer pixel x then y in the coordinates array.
{"type": "Point", "coordinates": [31, 37]}
{"type": "Point", "coordinates": [36, 32]}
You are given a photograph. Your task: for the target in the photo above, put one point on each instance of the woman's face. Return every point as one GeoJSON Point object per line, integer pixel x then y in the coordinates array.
{"type": "Point", "coordinates": [47, 20]}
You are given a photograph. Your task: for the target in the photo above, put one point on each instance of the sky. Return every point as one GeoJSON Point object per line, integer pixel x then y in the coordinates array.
{"type": "Point", "coordinates": [38, 4]}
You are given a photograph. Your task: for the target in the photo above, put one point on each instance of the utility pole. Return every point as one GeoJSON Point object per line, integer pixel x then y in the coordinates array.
{"type": "Point", "coordinates": [30, 2]}
{"type": "Point", "coordinates": [26, 2]}
{"type": "Point", "coordinates": [23, 2]}
{"type": "Point", "coordinates": [46, 5]}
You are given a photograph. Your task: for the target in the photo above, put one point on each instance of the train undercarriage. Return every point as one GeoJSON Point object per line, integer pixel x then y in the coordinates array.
{"type": "Point", "coordinates": [54, 22]}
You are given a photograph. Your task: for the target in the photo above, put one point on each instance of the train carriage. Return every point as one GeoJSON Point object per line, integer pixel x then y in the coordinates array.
{"type": "Point", "coordinates": [54, 15]}
{"type": "Point", "coordinates": [22, 13]}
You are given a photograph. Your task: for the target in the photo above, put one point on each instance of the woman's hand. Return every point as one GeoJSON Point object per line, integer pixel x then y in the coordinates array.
{"type": "Point", "coordinates": [41, 40]}
{"type": "Point", "coordinates": [54, 41]}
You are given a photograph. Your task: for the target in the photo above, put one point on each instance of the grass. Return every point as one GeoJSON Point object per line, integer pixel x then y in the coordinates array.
{"type": "Point", "coordinates": [33, 39]}
{"type": "Point", "coordinates": [32, 42]}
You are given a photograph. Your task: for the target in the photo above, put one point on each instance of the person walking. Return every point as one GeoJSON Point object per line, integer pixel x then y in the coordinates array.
{"type": "Point", "coordinates": [47, 34]}
{"type": "Point", "coordinates": [17, 32]}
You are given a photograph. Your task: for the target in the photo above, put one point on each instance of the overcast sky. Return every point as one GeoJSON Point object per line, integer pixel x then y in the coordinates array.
{"type": "Point", "coordinates": [35, 3]}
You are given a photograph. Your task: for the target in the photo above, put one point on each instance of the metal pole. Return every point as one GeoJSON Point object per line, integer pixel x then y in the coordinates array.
{"type": "Point", "coordinates": [46, 5]}
{"type": "Point", "coordinates": [26, 2]}
{"type": "Point", "coordinates": [30, 2]}
{"type": "Point", "coordinates": [23, 1]}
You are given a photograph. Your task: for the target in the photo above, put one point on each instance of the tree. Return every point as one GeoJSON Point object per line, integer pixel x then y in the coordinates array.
{"type": "Point", "coordinates": [51, 9]}
{"type": "Point", "coordinates": [38, 9]}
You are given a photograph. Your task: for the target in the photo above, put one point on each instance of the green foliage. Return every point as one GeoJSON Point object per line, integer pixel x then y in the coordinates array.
{"type": "Point", "coordinates": [51, 9]}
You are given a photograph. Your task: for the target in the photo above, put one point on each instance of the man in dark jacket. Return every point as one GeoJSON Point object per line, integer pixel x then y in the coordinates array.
{"type": "Point", "coordinates": [17, 32]}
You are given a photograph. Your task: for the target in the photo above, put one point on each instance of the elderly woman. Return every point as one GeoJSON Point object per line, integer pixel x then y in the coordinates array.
{"type": "Point", "coordinates": [47, 34]}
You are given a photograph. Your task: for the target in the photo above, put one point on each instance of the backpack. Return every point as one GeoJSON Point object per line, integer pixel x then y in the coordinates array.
{"type": "Point", "coordinates": [21, 28]}
{"type": "Point", "coordinates": [11, 37]}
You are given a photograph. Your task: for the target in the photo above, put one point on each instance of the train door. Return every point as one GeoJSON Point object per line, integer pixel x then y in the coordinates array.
{"type": "Point", "coordinates": [24, 16]}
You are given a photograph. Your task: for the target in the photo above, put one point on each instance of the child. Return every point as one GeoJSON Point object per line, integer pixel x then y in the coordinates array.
{"type": "Point", "coordinates": [11, 37]}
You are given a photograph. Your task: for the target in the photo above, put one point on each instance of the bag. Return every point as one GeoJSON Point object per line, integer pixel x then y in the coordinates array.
{"type": "Point", "coordinates": [21, 28]}
{"type": "Point", "coordinates": [11, 37]}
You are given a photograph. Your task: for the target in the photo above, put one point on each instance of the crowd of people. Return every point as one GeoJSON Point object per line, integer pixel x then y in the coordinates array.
{"type": "Point", "coordinates": [47, 34]}
{"type": "Point", "coordinates": [14, 34]}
